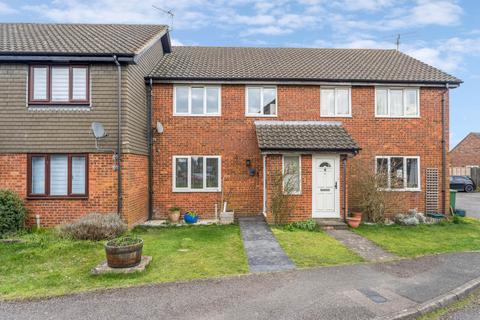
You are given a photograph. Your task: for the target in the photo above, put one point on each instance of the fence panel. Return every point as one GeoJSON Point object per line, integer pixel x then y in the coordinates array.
{"type": "Point", "coordinates": [475, 175]}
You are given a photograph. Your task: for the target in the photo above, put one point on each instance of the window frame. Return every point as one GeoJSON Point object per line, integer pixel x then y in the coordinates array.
{"type": "Point", "coordinates": [48, 101]}
{"type": "Point", "coordinates": [261, 87]}
{"type": "Point", "coordinates": [189, 113]}
{"type": "Point", "coordinates": [189, 174]}
{"type": "Point", "coordinates": [47, 195]}
{"type": "Point", "coordinates": [299, 156]}
{"type": "Point", "coordinates": [336, 115]}
{"type": "Point", "coordinates": [405, 158]}
{"type": "Point", "coordinates": [404, 89]}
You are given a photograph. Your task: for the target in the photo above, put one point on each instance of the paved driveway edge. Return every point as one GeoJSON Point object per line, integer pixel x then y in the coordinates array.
{"type": "Point", "coordinates": [435, 303]}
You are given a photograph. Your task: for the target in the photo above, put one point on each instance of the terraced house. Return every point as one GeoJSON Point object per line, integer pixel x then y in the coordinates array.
{"type": "Point", "coordinates": [203, 125]}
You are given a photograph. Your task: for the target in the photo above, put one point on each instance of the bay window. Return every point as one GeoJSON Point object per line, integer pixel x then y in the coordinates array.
{"type": "Point", "coordinates": [261, 101]}
{"type": "Point", "coordinates": [57, 175]}
{"type": "Point", "coordinates": [196, 173]}
{"type": "Point", "coordinates": [59, 84]}
{"type": "Point", "coordinates": [398, 173]}
{"type": "Point", "coordinates": [292, 174]}
{"type": "Point", "coordinates": [397, 102]}
{"type": "Point", "coordinates": [196, 100]}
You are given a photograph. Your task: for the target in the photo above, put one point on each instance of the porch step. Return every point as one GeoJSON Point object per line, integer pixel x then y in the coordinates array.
{"type": "Point", "coordinates": [331, 224]}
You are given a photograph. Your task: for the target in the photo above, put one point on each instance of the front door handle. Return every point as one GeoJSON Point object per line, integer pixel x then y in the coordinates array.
{"type": "Point", "coordinates": [335, 184]}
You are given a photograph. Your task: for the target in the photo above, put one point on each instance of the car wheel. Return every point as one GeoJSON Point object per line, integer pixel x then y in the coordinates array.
{"type": "Point", "coordinates": [468, 188]}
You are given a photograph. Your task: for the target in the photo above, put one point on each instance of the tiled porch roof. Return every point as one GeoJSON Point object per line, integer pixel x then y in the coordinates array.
{"type": "Point", "coordinates": [304, 136]}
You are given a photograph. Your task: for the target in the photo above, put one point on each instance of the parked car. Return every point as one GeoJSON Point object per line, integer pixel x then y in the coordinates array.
{"type": "Point", "coordinates": [462, 183]}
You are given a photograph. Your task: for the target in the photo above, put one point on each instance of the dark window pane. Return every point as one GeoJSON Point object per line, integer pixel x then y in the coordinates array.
{"type": "Point", "coordinates": [181, 172]}
{"type": "Point", "coordinates": [382, 172]}
{"type": "Point", "coordinates": [212, 173]}
{"type": "Point", "coordinates": [396, 173]}
{"type": "Point", "coordinates": [412, 173]}
{"type": "Point", "coordinates": [197, 172]}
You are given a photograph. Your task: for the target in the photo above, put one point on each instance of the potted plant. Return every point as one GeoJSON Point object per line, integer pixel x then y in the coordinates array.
{"type": "Point", "coordinates": [190, 217]}
{"type": "Point", "coordinates": [353, 221]}
{"type": "Point", "coordinates": [174, 214]}
{"type": "Point", "coordinates": [124, 252]}
{"type": "Point", "coordinates": [357, 214]}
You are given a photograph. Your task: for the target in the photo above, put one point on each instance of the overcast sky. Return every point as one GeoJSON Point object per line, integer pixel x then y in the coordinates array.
{"type": "Point", "coordinates": [443, 33]}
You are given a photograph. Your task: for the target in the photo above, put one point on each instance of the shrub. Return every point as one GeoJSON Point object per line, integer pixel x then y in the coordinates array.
{"type": "Point", "coordinates": [94, 226]}
{"type": "Point", "coordinates": [124, 241]}
{"type": "Point", "coordinates": [308, 225]}
{"type": "Point", "coordinates": [281, 203]}
{"type": "Point", "coordinates": [12, 212]}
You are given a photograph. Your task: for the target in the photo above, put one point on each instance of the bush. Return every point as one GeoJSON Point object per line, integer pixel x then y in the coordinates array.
{"type": "Point", "coordinates": [308, 225]}
{"type": "Point", "coordinates": [94, 226]}
{"type": "Point", "coordinates": [12, 212]}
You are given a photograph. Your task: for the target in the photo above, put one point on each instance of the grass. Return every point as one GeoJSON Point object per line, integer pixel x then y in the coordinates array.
{"type": "Point", "coordinates": [411, 241]}
{"type": "Point", "coordinates": [313, 248]}
{"type": "Point", "coordinates": [46, 266]}
{"type": "Point", "coordinates": [459, 305]}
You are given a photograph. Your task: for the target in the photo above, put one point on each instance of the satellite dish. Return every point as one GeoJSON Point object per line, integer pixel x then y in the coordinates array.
{"type": "Point", "coordinates": [159, 127]}
{"type": "Point", "coordinates": [98, 130]}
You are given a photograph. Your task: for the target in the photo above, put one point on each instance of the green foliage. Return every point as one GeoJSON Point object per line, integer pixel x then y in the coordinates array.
{"type": "Point", "coordinates": [307, 225]}
{"type": "Point", "coordinates": [458, 220]}
{"type": "Point", "coordinates": [12, 213]}
{"type": "Point", "coordinates": [124, 241]}
{"type": "Point", "coordinates": [191, 214]}
{"type": "Point", "coordinates": [94, 226]}
{"type": "Point", "coordinates": [46, 265]}
{"type": "Point", "coordinates": [174, 209]}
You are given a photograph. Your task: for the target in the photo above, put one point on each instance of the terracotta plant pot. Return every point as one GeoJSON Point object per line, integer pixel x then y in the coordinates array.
{"type": "Point", "coordinates": [174, 216]}
{"type": "Point", "coordinates": [354, 222]}
{"type": "Point", "coordinates": [123, 256]}
{"type": "Point", "coordinates": [357, 214]}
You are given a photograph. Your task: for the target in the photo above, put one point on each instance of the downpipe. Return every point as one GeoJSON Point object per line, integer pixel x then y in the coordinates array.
{"type": "Point", "coordinates": [119, 137]}
{"type": "Point", "coordinates": [150, 149]}
{"type": "Point", "coordinates": [444, 149]}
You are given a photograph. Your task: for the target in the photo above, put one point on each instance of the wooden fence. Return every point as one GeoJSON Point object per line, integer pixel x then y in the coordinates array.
{"type": "Point", "coordinates": [472, 172]}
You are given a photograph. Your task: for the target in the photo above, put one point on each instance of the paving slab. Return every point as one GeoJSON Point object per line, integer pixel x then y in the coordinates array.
{"type": "Point", "coordinates": [469, 202]}
{"type": "Point", "coordinates": [326, 293]}
{"type": "Point", "coordinates": [362, 246]}
{"type": "Point", "coordinates": [263, 251]}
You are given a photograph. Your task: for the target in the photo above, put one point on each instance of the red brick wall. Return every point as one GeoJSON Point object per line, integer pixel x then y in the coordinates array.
{"type": "Point", "coordinates": [135, 188]}
{"type": "Point", "coordinates": [467, 152]}
{"type": "Point", "coordinates": [233, 137]}
{"type": "Point", "coordinates": [102, 190]}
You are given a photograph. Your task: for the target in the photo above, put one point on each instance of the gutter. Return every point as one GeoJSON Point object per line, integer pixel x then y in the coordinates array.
{"type": "Point", "coordinates": [119, 136]}
{"type": "Point", "coordinates": [149, 147]}
{"type": "Point", "coordinates": [65, 58]}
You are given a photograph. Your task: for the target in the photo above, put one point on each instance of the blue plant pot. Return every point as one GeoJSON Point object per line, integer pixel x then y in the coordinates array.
{"type": "Point", "coordinates": [189, 219]}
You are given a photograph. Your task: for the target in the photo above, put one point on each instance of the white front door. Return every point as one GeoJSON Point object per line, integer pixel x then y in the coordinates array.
{"type": "Point", "coordinates": [325, 191]}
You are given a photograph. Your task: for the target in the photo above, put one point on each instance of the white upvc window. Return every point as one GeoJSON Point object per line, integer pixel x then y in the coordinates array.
{"type": "Point", "coordinates": [398, 172]}
{"type": "Point", "coordinates": [197, 174]}
{"type": "Point", "coordinates": [193, 100]}
{"type": "Point", "coordinates": [261, 101]}
{"type": "Point", "coordinates": [397, 102]}
{"type": "Point", "coordinates": [292, 174]}
{"type": "Point", "coordinates": [335, 102]}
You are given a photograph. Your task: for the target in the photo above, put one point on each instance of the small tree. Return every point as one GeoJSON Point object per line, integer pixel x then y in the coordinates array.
{"type": "Point", "coordinates": [283, 185]}
{"type": "Point", "coordinates": [12, 212]}
{"type": "Point", "coordinates": [367, 195]}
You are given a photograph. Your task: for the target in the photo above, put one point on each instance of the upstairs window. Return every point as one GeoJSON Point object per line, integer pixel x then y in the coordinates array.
{"type": "Point", "coordinates": [261, 101]}
{"type": "Point", "coordinates": [335, 102]}
{"type": "Point", "coordinates": [59, 84]}
{"type": "Point", "coordinates": [57, 175]}
{"type": "Point", "coordinates": [397, 103]}
{"type": "Point", "coordinates": [196, 100]}
{"type": "Point", "coordinates": [398, 173]}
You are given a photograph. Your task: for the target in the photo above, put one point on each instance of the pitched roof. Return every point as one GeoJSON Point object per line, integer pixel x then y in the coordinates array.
{"type": "Point", "coordinates": [295, 64]}
{"type": "Point", "coordinates": [304, 136]}
{"type": "Point", "coordinates": [76, 39]}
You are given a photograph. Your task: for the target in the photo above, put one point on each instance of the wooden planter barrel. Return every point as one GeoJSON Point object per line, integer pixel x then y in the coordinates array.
{"type": "Point", "coordinates": [124, 257]}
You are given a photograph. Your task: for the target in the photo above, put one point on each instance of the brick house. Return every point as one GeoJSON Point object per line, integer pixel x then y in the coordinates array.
{"type": "Point", "coordinates": [467, 152]}
{"type": "Point", "coordinates": [225, 122]}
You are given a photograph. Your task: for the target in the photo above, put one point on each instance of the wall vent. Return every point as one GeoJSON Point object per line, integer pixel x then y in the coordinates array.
{"type": "Point", "coordinates": [431, 192]}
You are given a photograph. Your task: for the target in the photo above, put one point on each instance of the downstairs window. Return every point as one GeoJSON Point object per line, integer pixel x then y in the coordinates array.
{"type": "Point", "coordinates": [196, 173]}
{"type": "Point", "coordinates": [398, 173]}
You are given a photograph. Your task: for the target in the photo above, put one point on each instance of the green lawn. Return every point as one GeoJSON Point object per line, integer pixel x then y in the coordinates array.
{"type": "Point", "coordinates": [410, 241]}
{"type": "Point", "coordinates": [45, 265]}
{"type": "Point", "coordinates": [313, 248]}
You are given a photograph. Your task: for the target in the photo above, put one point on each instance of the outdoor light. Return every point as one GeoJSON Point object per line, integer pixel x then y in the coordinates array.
{"type": "Point", "coordinates": [159, 127]}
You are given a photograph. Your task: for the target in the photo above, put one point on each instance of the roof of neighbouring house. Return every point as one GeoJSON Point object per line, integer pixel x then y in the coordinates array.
{"type": "Point", "coordinates": [77, 39]}
{"type": "Point", "coordinates": [296, 64]}
{"type": "Point", "coordinates": [304, 136]}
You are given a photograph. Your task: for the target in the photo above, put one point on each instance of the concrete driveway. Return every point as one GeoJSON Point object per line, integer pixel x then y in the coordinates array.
{"type": "Point", "coordinates": [469, 202]}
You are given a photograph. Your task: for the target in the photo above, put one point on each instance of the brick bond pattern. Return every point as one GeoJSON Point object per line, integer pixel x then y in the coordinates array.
{"type": "Point", "coordinates": [233, 137]}
{"type": "Point", "coordinates": [102, 189]}
{"type": "Point", "coordinates": [467, 152]}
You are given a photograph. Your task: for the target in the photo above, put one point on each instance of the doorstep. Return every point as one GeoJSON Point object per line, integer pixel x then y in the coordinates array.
{"type": "Point", "coordinates": [331, 224]}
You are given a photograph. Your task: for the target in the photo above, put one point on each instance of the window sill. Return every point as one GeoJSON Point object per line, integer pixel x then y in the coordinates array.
{"type": "Point", "coordinates": [261, 115]}
{"type": "Point", "coordinates": [58, 198]}
{"type": "Point", "coordinates": [397, 117]}
{"type": "Point", "coordinates": [336, 116]}
{"type": "Point", "coordinates": [57, 108]}
{"type": "Point", "coordinates": [401, 190]}
{"type": "Point", "coordinates": [196, 190]}
{"type": "Point", "coordinates": [196, 115]}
